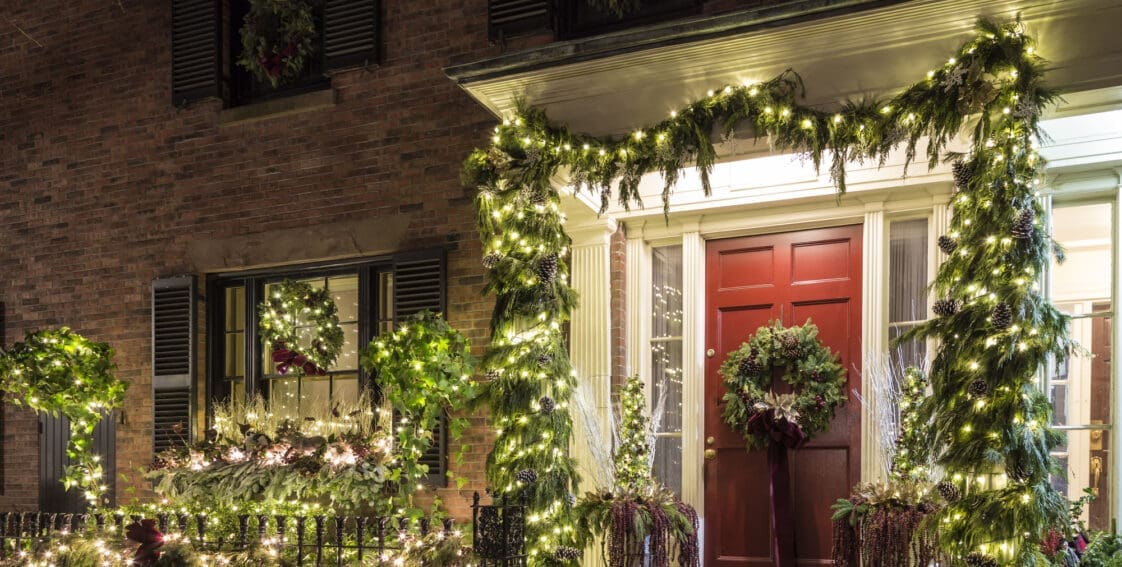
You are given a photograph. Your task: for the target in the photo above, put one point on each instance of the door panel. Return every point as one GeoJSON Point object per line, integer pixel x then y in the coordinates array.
{"type": "Point", "coordinates": [792, 276]}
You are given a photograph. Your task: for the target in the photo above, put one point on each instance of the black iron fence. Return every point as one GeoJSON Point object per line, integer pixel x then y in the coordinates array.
{"type": "Point", "coordinates": [308, 540]}
{"type": "Point", "coordinates": [499, 531]}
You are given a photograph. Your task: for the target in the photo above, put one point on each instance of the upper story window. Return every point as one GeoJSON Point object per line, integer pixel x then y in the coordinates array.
{"type": "Point", "coordinates": [207, 44]}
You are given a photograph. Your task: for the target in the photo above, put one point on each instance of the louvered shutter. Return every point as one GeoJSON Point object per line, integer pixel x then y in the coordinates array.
{"type": "Point", "coordinates": [419, 285]}
{"type": "Point", "coordinates": [509, 18]}
{"type": "Point", "coordinates": [350, 33]}
{"type": "Point", "coordinates": [173, 360]}
{"type": "Point", "coordinates": [195, 50]}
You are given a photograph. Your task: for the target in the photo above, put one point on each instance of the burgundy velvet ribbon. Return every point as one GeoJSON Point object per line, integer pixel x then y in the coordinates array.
{"type": "Point", "coordinates": [149, 538]}
{"type": "Point", "coordinates": [274, 63]}
{"type": "Point", "coordinates": [285, 359]}
{"type": "Point", "coordinates": [784, 435]}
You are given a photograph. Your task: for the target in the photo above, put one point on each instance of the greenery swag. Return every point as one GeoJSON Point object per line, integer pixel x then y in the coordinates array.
{"type": "Point", "coordinates": [424, 370]}
{"type": "Point", "coordinates": [807, 365]}
{"type": "Point", "coordinates": [277, 39]}
{"type": "Point", "coordinates": [59, 372]}
{"type": "Point", "coordinates": [299, 325]}
{"type": "Point", "coordinates": [331, 458]}
{"type": "Point", "coordinates": [994, 83]}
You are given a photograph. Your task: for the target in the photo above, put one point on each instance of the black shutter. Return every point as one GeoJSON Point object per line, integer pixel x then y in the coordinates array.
{"type": "Point", "coordinates": [350, 33]}
{"type": "Point", "coordinates": [54, 434]}
{"type": "Point", "coordinates": [418, 284]}
{"type": "Point", "coordinates": [195, 50]}
{"type": "Point", "coordinates": [173, 360]}
{"type": "Point", "coordinates": [509, 18]}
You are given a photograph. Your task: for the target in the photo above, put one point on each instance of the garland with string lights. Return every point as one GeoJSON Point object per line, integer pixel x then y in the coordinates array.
{"type": "Point", "coordinates": [299, 325]}
{"type": "Point", "coordinates": [995, 81]}
{"type": "Point", "coordinates": [59, 372]}
{"type": "Point", "coordinates": [911, 460]}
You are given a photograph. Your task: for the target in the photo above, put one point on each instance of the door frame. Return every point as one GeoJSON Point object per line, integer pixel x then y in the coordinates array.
{"type": "Point", "coordinates": [693, 229]}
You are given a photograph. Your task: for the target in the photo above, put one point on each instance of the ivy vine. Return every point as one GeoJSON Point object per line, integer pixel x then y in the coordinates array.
{"type": "Point", "coordinates": [61, 373]}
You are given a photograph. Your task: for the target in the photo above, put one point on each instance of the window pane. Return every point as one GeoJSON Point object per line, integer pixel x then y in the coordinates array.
{"type": "Point", "coordinates": [385, 302]}
{"type": "Point", "coordinates": [1084, 278]}
{"type": "Point", "coordinates": [284, 396]}
{"type": "Point", "coordinates": [909, 353]}
{"type": "Point", "coordinates": [668, 462]}
{"type": "Point", "coordinates": [344, 291]}
{"type": "Point", "coordinates": [348, 356]}
{"type": "Point", "coordinates": [907, 265]}
{"type": "Point", "coordinates": [666, 363]}
{"type": "Point", "coordinates": [1085, 464]}
{"type": "Point", "coordinates": [666, 292]}
{"type": "Point", "coordinates": [1080, 386]}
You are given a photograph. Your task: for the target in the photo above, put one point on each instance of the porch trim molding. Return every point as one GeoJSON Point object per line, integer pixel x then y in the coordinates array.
{"type": "Point", "coordinates": [874, 323]}
{"type": "Point", "coordinates": [590, 342]}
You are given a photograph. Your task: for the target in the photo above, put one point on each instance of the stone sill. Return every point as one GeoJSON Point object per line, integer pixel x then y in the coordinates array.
{"type": "Point", "coordinates": [265, 110]}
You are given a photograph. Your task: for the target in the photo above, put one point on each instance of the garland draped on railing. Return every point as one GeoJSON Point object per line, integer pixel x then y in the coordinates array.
{"type": "Point", "coordinates": [993, 83]}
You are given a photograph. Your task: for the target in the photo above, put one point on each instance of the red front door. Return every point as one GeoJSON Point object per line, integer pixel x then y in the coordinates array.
{"type": "Point", "coordinates": [793, 276]}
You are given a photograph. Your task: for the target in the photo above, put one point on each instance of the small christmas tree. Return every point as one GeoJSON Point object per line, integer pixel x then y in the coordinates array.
{"type": "Point", "coordinates": [633, 452]}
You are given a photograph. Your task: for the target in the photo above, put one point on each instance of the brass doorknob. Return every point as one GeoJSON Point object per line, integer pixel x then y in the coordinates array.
{"type": "Point", "coordinates": [710, 440]}
{"type": "Point", "coordinates": [710, 454]}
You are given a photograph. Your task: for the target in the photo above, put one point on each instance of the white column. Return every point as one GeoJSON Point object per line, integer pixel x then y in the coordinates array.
{"type": "Point", "coordinates": [637, 359]}
{"type": "Point", "coordinates": [590, 352]}
{"type": "Point", "coordinates": [693, 370]}
{"type": "Point", "coordinates": [1116, 344]}
{"type": "Point", "coordinates": [874, 322]}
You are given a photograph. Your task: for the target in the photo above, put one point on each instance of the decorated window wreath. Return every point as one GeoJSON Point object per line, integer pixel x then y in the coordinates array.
{"type": "Point", "coordinates": [808, 366]}
{"type": "Point", "coordinates": [277, 39]}
{"type": "Point", "coordinates": [293, 309]}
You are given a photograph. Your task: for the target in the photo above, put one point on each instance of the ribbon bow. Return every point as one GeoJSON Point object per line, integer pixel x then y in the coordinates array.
{"type": "Point", "coordinates": [285, 359]}
{"type": "Point", "coordinates": [150, 539]}
{"type": "Point", "coordinates": [777, 418]}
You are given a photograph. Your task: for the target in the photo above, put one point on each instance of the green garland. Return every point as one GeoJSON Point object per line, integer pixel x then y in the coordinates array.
{"type": "Point", "coordinates": [277, 39]}
{"type": "Point", "coordinates": [59, 372]}
{"type": "Point", "coordinates": [296, 308]}
{"type": "Point", "coordinates": [808, 366]}
{"type": "Point", "coordinates": [994, 81]}
{"type": "Point", "coordinates": [424, 369]}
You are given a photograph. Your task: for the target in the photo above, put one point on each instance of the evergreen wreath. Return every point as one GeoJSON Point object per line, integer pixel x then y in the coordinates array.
{"type": "Point", "coordinates": [277, 39]}
{"type": "Point", "coordinates": [808, 366]}
{"type": "Point", "coordinates": [294, 309]}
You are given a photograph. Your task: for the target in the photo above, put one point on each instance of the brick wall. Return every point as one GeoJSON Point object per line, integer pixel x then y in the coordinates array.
{"type": "Point", "coordinates": [618, 262]}
{"type": "Point", "coordinates": [105, 186]}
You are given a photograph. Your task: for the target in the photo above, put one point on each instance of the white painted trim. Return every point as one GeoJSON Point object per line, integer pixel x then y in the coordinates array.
{"type": "Point", "coordinates": [874, 329]}
{"type": "Point", "coordinates": [637, 360]}
{"type": "Point", "coordinates": [693, 371]}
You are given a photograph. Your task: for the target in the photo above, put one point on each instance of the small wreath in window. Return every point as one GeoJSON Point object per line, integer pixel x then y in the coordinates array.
{"type": "Point", "coordinates": [816, 378]}
{"type": "Point", "coordinates": [278, 37]}
{"type": "Point", "coordinates": [300, 326]}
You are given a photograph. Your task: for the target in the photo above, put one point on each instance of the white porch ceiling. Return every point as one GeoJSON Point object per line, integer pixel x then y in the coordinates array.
{"type": "Point", "coordinates": [872, 52]}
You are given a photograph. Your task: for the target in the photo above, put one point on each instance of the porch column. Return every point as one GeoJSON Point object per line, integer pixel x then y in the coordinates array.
{"type": "Point", "coordinates": [693, 369]}
{"type": "Point", "coordinates": [590, 339]}
{"type": "Point", "coordinates": [874, 324]}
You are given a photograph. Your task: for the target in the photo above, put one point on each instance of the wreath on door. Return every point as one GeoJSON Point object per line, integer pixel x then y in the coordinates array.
{"type": "Point", "coordinates": [809, 367]}
{"type": "Point", "coordinates": [277, 39]}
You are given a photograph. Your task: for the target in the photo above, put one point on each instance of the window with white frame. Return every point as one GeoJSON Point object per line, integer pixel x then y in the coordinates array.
{"type": "Point", "coordinates": [1081, 385]}
{"type": "Point", "coordinates": [907, 288]}
{"type": "Point", "coordinates": [666, 363]}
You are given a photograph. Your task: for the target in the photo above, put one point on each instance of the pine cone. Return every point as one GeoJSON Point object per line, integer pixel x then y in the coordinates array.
{"type": "Point", "coordinates": [1002, 316]}
{"type": "Point", "coordinates": [948, 491]}
{"type": "Point", "coordinates": [945, 307]}
{"type": "Point", "coordinates": [928, 507]}
{"type": "Point", "coordinates": [537, 198]}
{"type": "Point", "coordinates": [1018, 470]}
{"type": "Point", "coordinates": [962, 175]}
{"type": "Point", "coordinates": [491, 260]}
{"type": "Point", "coordinates": [566, 553]}
{"type": "Point", "coordinates": [547, 404]}
{"type": "Point", "coordinates": [547, 268]}
{"type": "Point", "coordinates": [976, 559]}
{"type": "Point", "coordinates": [789, 345]}
{"type": "Point", "coordinates": [749, 366]}
{"type": "Point", "coordinates": [492, 375]}
{"type": "Point", "coordinates": [1023, 225]}
{"type": "Point", "coordinates": [978, 388]}
{"type": "Point", "coordinates": [526, 476]}
{"type": "Point", "coordinates": [947, 244]}
{"type": "Point", "coordinates": [544, 359]}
